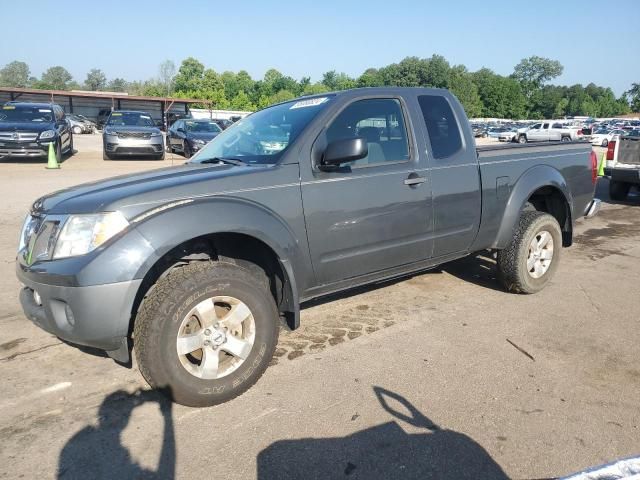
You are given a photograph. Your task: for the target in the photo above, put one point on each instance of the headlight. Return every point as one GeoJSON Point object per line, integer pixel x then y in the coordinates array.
{"type": "Point", "coordinates": [108, 131]}
{"type": "Point", "coordinates": [47, 134]}
{"type": "Point", "coordinates": [199, 142]}
{"type": "Point", "coordinates": [84, 233]}
{"type": "Point", "coordinates": [156, 134]}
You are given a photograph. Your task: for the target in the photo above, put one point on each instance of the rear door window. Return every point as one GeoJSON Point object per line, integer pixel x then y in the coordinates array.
{"type": "Point", "coordinates": [442, 126]}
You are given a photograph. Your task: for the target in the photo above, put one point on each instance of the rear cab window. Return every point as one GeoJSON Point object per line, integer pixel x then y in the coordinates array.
{"type": "Point", "coordinates": [443, 129]}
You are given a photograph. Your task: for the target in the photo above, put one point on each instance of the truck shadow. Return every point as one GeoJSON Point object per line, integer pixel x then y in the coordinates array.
{"type": "Point", "coordinates": [382, 452]}
{"type": "Point", "coordinates": [478, 268]}
{"type": "Point", "coordinates": [97, 452]}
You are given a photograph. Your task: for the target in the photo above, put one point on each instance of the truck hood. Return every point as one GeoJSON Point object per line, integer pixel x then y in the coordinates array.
{"type": "Point", "coordinates": [28, 126]}
{"type": "Point", "coordinates": [137, 193]}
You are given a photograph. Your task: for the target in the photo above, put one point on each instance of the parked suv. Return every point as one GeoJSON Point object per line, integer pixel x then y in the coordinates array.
{"type": "Point", "coordinates": [131, 133]}
{"type": "Point", "coordinates": [27, 129]}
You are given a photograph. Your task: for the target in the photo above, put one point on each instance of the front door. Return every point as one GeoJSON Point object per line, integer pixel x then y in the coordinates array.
{"type": "Point", "coordinates": [375, 213]}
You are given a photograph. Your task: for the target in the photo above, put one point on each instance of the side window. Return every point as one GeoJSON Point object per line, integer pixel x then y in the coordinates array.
{"type": "Point", "coordinates": [536, 126]}
{"type": "Point", "coordinates": [545, 126]}
{"type": "Point", "coordinates": [380, 122]}
{"type": "Point", "coordinates": [556, 125]}
{"type": "Point", "coordinates": [443, 129]}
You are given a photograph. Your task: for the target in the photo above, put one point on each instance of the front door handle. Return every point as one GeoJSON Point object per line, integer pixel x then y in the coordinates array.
{"type": "Point", "coordinates": [414, 180]}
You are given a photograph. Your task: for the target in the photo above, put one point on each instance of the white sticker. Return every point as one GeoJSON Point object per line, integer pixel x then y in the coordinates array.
{"type": "Point", "coordinates": [312, 102]}
{"type": "Point", "coordinates": [145, 116]}
{"type": "Point", "coordinates": [44, 110]}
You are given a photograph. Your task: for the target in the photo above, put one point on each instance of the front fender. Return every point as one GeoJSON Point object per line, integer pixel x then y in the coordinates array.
{"type": "Point", "coordinates": [530, 181]}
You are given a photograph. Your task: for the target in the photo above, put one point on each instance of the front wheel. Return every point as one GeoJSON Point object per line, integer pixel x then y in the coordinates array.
{"type": "Point", "coordinates": [77, 130]}
{"type": "Point", "coordinates": [522, 139]}
{"type": "Point", "coordinates": [532, 256]}
{"type": "Point", "coordinates": [206, 333]}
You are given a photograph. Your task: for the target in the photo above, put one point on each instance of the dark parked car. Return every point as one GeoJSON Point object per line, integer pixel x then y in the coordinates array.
{"type": "Point", "coordinates": [223, 123]}
{"type": "Point", "coordinates": [189, 136]}
{"type": "Point", "coordinates": [132, 133]}
{"type": "Point", "coordinates": [27, 130]}
{"type": "Point", "coordinates": [103, 116]}
{"type": "Point", "coordinates": [198, 265]}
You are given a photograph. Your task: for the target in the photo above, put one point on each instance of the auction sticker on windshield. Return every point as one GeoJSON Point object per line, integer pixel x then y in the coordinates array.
{"type": "Point", "coordinates": [312, 102]}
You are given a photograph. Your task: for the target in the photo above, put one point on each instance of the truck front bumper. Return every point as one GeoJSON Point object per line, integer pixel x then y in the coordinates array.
{"type": "Point", "coordinates": [95, 316]}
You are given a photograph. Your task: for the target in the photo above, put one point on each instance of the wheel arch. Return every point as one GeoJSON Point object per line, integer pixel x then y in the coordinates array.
{"type": "Point", "coordinates": [256, 236]}
{"type": "Point", "coordinates": [541, 188]}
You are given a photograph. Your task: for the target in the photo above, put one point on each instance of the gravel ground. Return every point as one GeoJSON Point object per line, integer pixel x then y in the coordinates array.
{"type": "Point", "coordinates": [440, 375]}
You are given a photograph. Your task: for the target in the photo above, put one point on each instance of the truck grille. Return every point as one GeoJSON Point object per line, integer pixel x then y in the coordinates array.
{"type": "Point", "coordinates": [134, 135]}
{"type": "Point", "coordinates": [18, 136]}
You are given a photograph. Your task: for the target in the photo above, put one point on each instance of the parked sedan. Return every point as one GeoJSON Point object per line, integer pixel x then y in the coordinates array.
{"type": "Point", "coordinates": [603, 137]}
{"type": "Point", "coordinates": [189, 136]}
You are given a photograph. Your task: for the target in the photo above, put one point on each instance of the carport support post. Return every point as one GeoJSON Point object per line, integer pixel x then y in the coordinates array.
{"type": "Point", "coordinates": [70, 104]}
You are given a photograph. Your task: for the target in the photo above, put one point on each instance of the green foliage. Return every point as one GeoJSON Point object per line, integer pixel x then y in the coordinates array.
{"type": "Point", "coordinates": [96, 80]}
{"type": "Point", "coordinates": [55, 78]}
{"type": "Point", "coordinates": [634, 97]}
{"type": "Point", "coordinates": [15, 74]}
{"type": "Point", "coordinates": [117, 85]}
{"type": "Point", "coordinates": [524, 94]}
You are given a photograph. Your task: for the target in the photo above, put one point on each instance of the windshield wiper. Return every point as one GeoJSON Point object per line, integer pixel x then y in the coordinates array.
{"type": "Point", "coordinates": [230, 161]}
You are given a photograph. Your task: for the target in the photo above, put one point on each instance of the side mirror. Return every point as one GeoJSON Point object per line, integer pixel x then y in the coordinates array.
{"type": "Point", "coordinates": [343, 151]}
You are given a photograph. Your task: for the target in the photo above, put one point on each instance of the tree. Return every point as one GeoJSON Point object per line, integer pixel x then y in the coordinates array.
{"type": "Point", "coordinates": [167, 71]}
{"type": "Point", "coordinates": [56, 78]}
{"type": "Point", "coordinates": [561, 108]}
{"type": "Point", "coordinates": [242, 102]}
{"type": "Point", "coordinates": [634, 97]}
{"type": "Point", "coordinates": [462, 86]}
{"type": "Point", "coordinates": [96, 79]}
{"type": "Point", "coordinates": [15, 74]}
{"type": "Point", "coordinates": [370, 78]}
{"type": "Point", "coordinates": [337, 81]}
{"type": "Point", "coordinates": [533, 72]}
{"type": "Point", "coordinates": [190, 75]}
{"type": "Point", "coordinates": [117, 85]}
{"type": "Point", "coordinates": [501, 97]}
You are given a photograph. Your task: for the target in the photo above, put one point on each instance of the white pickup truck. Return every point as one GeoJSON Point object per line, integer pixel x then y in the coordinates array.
{"type": "Point", "coordinates": [623, 165]}
{"type": "Point", "coordinates": [546, 131]}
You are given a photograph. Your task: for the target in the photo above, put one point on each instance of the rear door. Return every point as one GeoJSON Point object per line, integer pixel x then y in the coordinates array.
{"type": "Point", "coordinates": [454, 172]}
{"type": "Point", "coordinates": [372, 214]}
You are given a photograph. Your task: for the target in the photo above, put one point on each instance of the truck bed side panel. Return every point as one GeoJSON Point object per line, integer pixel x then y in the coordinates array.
{"type": "Point", "coordinates": [511, 173]}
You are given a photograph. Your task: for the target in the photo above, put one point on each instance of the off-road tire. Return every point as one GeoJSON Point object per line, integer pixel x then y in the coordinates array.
{"type": "Point", "coordinates": [162, 312]}
{"type": "Point", "coordinates": [512, 261]}
{"type": "Point", "coordinates": [618, 190]}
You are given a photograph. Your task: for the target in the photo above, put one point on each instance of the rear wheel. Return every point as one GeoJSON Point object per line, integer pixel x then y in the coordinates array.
{"type": "Point", "coordinates": [605, 143]}
{"type": "Point", "coordinates": [77, 130]}
{"type": "Point", "coordinates": [618, 190]}
{"type": "Point", "coordinates": [565, 139]}
{"type": "Point", "coordinates": [206, 333]}
{"type": "Point", "coordinates": [532, 256]}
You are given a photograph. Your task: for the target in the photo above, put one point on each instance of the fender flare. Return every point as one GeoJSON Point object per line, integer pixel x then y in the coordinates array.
{"type": "Point", "coordinates": [530, 181]}
{"type": "Point", "coordinates": [174, 226]}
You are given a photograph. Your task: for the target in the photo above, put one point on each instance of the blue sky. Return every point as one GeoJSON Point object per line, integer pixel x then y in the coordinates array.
{"type": "Point", "coordinates": [595, 41]}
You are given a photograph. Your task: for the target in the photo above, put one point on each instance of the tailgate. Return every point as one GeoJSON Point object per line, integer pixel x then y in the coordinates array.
{"type": "Point", "coordinates": [629, 151]}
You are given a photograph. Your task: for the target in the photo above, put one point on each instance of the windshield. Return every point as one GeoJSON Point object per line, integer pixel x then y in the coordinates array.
{"type": "Point", "coordinates": [263, 137]}
{"type": "Point", "coordinates": [130, 119]}
{"type": "Point", "coordinates": [24, 113]}
{"type": "Point", "coordinates": [202, 127]}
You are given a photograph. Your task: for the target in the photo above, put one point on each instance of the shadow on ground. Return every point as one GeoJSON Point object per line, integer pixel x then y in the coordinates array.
{"type": "Point", "coordinates": [97, 452]}
{"type": "Point", "coordinates": [382, 452]}
{"type": "Point", "coordinates": [602, 192]}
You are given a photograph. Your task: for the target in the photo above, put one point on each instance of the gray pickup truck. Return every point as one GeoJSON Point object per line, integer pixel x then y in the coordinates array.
{"type": "Point", "coordinates": [196, 267]}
